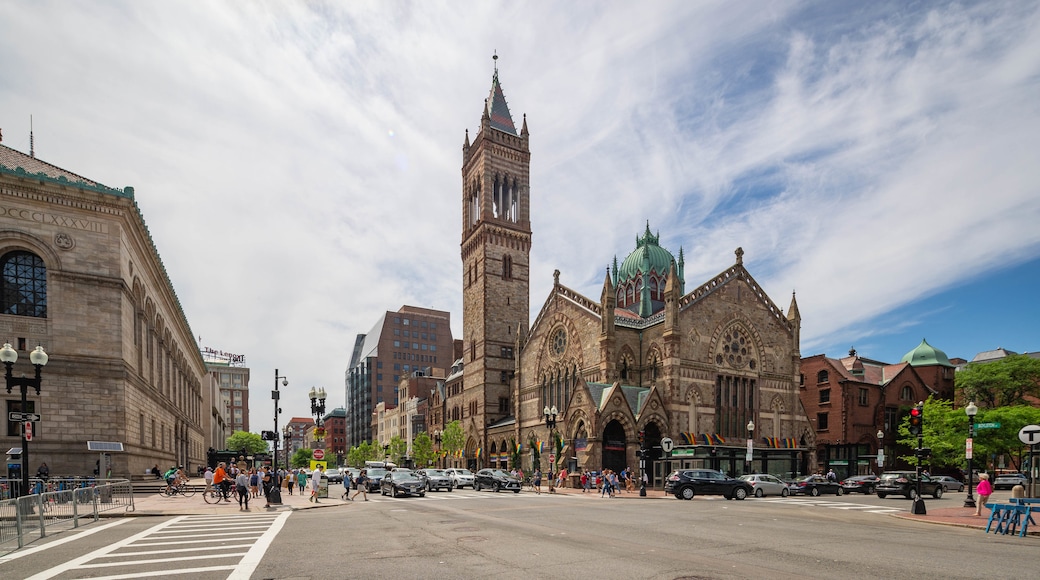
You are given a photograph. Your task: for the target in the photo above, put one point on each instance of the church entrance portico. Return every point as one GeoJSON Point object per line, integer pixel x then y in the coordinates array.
{"type": "Point", "coordinates": [614, 445]}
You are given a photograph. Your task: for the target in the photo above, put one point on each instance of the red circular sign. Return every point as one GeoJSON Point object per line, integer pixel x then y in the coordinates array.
{"type": "Point", "coordinates": [319, 454]}
{"type": "Point", "coordinates": [552, 458]}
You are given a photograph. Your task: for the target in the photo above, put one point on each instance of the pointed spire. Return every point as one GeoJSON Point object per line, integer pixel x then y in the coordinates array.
{"type": "Point", "coordinates": [740, 256]}
{"type": "Point", "coordinates": [524, 132]}
{"type": "Point", "coordinates": [496, 109]}
{"type": "Point", "coordinates": [792, 311]}
{"type": "Point", "coordinates": [466, 144]}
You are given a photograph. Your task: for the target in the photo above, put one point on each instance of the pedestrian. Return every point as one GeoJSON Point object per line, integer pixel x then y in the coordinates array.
{"type": "Point", "coordinates": [43, 472]}
{"type": "Point", "coordinates": [831, 476]}
{"type": "Point", "coordinates": [301, 480]}
{"type": "Point", "coordinates": [241, 482]}
{"type": "Point", "coordinates": [315, 482]}
{"type": "Point", "coordinates": [561, 480]}
{"type": "Point", "coordinates": [536, 481]}
{"type": "Point", "coordinates": [156, 472]}
{"type": "Point", "coordinates": [290, 480]}
{"type": "Point", "coordinates": [254, 483]}
{"type": "Point", "coordinates": [608, 485]}
{"type": "Point", "coordinates": [584, 481]}
{"type": "Point", "coordinates": [362, 485]}
{"type": "Point", "coordinates": [208, 478]}
{"type": "Point", "coordinates": [984, 489]}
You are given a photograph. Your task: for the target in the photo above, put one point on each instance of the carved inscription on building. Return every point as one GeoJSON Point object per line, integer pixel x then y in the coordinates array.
{"type": "Point", "coordinates": [45, 218]}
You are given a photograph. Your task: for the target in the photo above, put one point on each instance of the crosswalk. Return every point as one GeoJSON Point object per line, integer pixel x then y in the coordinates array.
{"type": "Point", "coordinates": [452, 496]}
{"type": "Point", "coordinates": [825, 503]}
{"type": "Point", "coordinates": [203, 546]}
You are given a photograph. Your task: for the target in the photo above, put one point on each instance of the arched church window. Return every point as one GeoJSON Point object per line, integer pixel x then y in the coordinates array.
{"type": "Point", "coordinates": [507, 268]}
{"type": "Point", "coordinates": [23, 287]}
{"type": "Point", "coordinates": [822, 376]}
{"type": "Point", "coordinates": [907, 394]}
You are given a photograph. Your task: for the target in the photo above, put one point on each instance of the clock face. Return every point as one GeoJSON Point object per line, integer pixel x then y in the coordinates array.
{"type": "Point", "coordinates": [558, 344]}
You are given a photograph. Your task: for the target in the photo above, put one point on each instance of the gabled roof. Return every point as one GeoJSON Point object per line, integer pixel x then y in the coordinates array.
{"type": "Point", "coordinates": [991, 355]}
{"type": "Point", "coordinates": [634, 396]}
{"type": "Point", "coordinates": [14, 162]}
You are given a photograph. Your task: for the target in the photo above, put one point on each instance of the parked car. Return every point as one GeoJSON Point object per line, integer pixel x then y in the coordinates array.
{"type": "Point", "coordinates": [460, 476]}
{"type": "Point", "coordinates": [375, 478]}
{"type": "Point", "coordinates": [865, 484]}
{"type": "Point", "coordinates": [495, 480]}
{"type": "Point", "coordinates": [949, 483]}
{"type": "Point", "coordinates": [815, 485]}
{"type": "Point", "coordinates": [436, 479]}
{"type": "Point", "coordinates": [904, 483]}
{"type": "Point", "coordinates": [686, 483]}
{"type": "Point", "coordinates": [765, 484]}
{"type": "Point", "coordinates": [1010, 480]}
{"type": "Point", "coordinates": [334, 475]}
{"type": "Point", "coordinates": [401, 482]}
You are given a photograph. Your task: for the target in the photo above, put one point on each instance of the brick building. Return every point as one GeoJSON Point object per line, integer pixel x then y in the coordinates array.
{"type": "Point", "coordinates": [83, 278]}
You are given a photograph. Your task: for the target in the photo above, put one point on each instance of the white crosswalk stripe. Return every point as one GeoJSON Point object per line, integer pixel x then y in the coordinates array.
{"type": "Point", "coordinates": [455, 495]}
{"type": "Point", "coordinates": [873, 509]}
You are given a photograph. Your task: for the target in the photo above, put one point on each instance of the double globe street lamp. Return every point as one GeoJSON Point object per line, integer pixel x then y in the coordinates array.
{"type": "Point", "coordinates": [971, 410]}
{"type": "Point", "coordinates": [38, 358]}
{"type": "Point", "coordinates": [550, 423]}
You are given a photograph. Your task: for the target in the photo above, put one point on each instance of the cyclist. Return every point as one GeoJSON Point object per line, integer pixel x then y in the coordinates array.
{"type": "Point", "coordinates": [222, 481]}
{"type": "Point", "coordinates": [171, 477]}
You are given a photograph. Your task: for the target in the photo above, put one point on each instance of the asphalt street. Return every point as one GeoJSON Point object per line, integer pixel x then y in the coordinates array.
{"type": "Point", "coordinates": [467, 534]}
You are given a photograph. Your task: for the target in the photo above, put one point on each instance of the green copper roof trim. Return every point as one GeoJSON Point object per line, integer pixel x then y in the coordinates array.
{"type": "Point", "coordinates": [127, 192]}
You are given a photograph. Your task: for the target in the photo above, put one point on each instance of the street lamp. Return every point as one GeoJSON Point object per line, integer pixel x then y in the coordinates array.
{"type": "Point", "coordinates": [274, 495]}
{"type": "Point", "coordinates": [38, 358]}
{"type": "Point", "coordinates": [550, 423]}
{"type": "Point", "coordinates": [287, 439]}
{"type": "Point", "coordinates": [750, 445]}
{"type": "Point", "coordinates": [437, 440]}
{"type": "Point", "coordinates": [971, 410]}
{"type": "Point", "coordinates": [317, 397]}
{"type": "Point", "coordinates": [880, 451]}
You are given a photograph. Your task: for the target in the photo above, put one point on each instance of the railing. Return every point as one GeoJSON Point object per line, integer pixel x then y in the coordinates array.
{"type": "Point", "coordinates": [66, 504]}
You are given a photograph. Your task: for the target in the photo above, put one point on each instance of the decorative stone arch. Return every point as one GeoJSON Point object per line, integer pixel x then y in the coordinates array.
{"type": "Point", "coordinates": [694, 399]}
{"type": "Point", "coordinates": [12, 241]}
{"type": "Point", "coordinates": [778, 408]}
{"type": "Point", "coordinates": [471, 452]}
{"type": "Point", "coordinates": [654, 360]}
{"type": "Point", "coordinates": [749, 338]}
{"type": "Point", "coordinates": [626, 364]}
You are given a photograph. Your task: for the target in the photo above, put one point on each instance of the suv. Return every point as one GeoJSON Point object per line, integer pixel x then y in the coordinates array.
{"type": "Point", "coordinates": [460, 476]}
{"type": "Point", "coordinates": [904, 483]}
{"type": "Point", "coordinates": [686, 483]}
{"type": "Point", "coordinates": [1010, 480]}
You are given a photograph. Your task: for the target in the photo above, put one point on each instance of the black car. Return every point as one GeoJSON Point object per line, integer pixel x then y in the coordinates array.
{"type": "Point", "coordinates": [815, 485]}
{"type": "Point", "coordinates": [375, 478]}
{"type": "Point", "coordinates": [496, 480]}
{"type": "Point", "coordinates": [904, 483]}
{"type": "Point", "coordinates": [686, 483]}
{"type": "Point", "coordinates": [402, 482]}
{"type": "Point", "coordinates": [864, 484]}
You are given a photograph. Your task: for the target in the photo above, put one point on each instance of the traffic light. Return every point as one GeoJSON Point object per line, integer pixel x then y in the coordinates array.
{"type": "Point", "coordinates": [916, 419]}
{"type": "Point", "coordinates": [642, 436]}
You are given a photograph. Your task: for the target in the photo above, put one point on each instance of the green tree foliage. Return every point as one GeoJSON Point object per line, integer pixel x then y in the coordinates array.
{"type": "Point", "coordinates": [359, 454]}
{"type": "Point", "coordinates": [536, 453]}
{"type": "Point", "coordinates": [1000, 383]}
{"type": "Point", "coordinates": [514, 453]}
{"type": "Point", "coordinates": [302, 458]}
{"type": "Point", "coordinates": [453, 438]}
{"type": "Point", "coordinates": [251, 442]}
{"type": "Point", "coordinates": [422, 450]}
{"type": "Point", "coordinates": [946, 428]}
{"type": "Point", "coordinates": [398, 449]}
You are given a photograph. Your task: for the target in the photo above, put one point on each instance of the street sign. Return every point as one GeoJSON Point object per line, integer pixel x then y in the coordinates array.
{"type": "Point", "coordinates": [552, 458]}
{"type": "Point", "coordinates": [987, 425]}
{"type": "Point", "coordinates": [1030, 434]}
{"type": "Point", "coordinates": [319, 454]}
{"type": "Point", "coordinates": [967, 448]}
{"type": "Point", "coordinates": [667, 445]}
{"type": "Point", "coordinates": [28, 430]}
{"type": "Point", "coordinates": [14, 416]}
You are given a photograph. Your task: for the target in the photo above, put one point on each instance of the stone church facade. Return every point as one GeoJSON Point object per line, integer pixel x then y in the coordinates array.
{"type": "Point", "coordinates": [698, 366]}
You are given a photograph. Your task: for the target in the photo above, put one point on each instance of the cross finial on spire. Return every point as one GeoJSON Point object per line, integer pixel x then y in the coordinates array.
{"type": "Point", "coordinates": [494, 57]}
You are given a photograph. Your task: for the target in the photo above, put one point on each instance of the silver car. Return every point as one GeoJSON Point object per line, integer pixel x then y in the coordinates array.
{"type": "Point", "coordinates": [436, 479]}
{"type": "Point", "coordinates": [765, 484]}
{"type": "Point", "coordinates": [949, 483]}
{"type": "Point", "coordinates": [460, 476]}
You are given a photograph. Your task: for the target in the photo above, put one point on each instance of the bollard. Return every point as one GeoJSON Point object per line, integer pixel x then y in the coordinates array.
{"type": "Point", "coordinates": [1018, 491]}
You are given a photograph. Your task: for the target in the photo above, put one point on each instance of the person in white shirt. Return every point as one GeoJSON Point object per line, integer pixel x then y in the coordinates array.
{"type": "Point", "coordinates": [315, 482]}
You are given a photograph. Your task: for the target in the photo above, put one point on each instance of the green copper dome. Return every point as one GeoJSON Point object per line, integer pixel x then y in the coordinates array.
{"type": "Point", "coordinates": [648, 256]}
{"type": "Point", "coordinates": [926, 355]}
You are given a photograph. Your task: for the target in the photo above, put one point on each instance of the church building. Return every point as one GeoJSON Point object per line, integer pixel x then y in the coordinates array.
{"type": "Point", "coordinates": [714, 368]}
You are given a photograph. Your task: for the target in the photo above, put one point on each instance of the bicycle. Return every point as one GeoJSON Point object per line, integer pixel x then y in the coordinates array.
{"type": "Point", "coordinates": [181, 489]}
{"type": "Point", "coordinates": [213, 494]}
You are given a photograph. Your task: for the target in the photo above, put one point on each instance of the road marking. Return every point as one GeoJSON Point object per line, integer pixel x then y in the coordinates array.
{"type": "Point", "coordinates": [63, 540]}
{"type": "Point", "coordinates": [873, 509]}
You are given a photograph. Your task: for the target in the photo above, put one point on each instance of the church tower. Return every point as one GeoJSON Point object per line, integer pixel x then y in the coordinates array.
{"type": "Point", "coordinates": [496, 251]}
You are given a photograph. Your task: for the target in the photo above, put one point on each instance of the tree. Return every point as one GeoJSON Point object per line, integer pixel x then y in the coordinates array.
{"type": "Point", "coordinates": [422, 450]}
{"type": "Point", "coordinates": [359, 454]}
{"type": "Point", "coordinates": [453, 438]}
{"type": "Point", "coordinates": [302, 458]}
{"type": "Point", "coordinates": [398, 449]}
{"type": "Point", "coordinates": [536, 453]}
{"type": "Point", "coordinates": [251, 442]}
{"type": "Point", "coordinates": [514, 452]}
{"type": "Point", "coordinates": [1000, 383]}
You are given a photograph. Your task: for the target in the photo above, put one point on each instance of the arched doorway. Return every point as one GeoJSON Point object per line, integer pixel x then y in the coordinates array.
{"type": "Point", "coordinates": [652, 445]}
{"type": "Point", "coordinates": [471, 455]}
{"type": "Point", "coordinates": [614, 446]}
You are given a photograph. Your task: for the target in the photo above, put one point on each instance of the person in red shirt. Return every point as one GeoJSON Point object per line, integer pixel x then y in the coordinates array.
{"type": "Point", "coordinates": [222, 481]}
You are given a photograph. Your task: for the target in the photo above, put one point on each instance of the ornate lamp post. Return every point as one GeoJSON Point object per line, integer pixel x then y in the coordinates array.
{"type": "Point", "coordinates": [286, 440]}
{"type": "Point", "coordinates": [275, 493]}
{"type": "Point", "coordinates": [880, 451]}
{"type": "Point", "coordinates": [38, 358]}
{"type": "Point", "coordinates": [317, 397]}
{"type": "Point", "coordinates": [971, 410]}
{"type": "Point", "coordinates": [550, 423]}
{"type": "Point", "coordinates": [750, 446]}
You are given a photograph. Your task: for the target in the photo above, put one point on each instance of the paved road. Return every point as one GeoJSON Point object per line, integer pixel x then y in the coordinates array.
{"type": "Point", "coordinates": [466, 534]}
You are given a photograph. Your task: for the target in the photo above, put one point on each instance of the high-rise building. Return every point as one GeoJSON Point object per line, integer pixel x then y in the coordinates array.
{"type": "Point", "coordinates": [411, 341]}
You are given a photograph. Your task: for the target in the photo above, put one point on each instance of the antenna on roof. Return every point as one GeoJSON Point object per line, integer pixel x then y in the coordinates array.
{"type": "Point", "coordinates": [494, 57]}
{"type": "Point", "coordinates": [32, 142]}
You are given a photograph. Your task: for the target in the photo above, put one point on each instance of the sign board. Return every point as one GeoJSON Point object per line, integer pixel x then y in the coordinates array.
{"type": "Point", "coordinates": [750, 450]}
{"type": "Point", "coordinates": [319, 454]}
{"type": "Point", "coordinates": [880, 457]}
{"type": "Point", "coordinates": [28, 430]}
{"type": "Point", "coordinates": [315, 464]}
{"type": "Point", "coordinates": [987, 425]}
{"type": "Point", "coordinates": [552, 458]}
{"type": "Point", "coordinates": [967, 448]}
{"type": "Point", "coordinates": [1030, 434]}
{"type": "Point", "coordinates": [15, 416]}
{"type": "Point", "coordinates": [667, 445]}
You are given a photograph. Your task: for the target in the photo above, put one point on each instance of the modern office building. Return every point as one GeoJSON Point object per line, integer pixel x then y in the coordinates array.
{"type": "Point", "coordinates": [403, 343]}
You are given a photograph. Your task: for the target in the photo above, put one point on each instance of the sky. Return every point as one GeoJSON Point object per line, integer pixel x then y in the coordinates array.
{"type": "Point", "coordinates": [298, 164]}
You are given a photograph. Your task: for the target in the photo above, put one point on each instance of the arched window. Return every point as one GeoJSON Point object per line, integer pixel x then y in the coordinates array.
{"type": "Point", "coordinates": [822, 377]}
{"type": "Point", "coordinates": [507, 268]}
{"type": "Point", "coordinates": [23, 289]}
{"type": "Point", "coordinates": [907, 394]}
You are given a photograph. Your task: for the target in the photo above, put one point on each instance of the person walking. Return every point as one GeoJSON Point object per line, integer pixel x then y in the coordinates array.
{"type": "Point", "coordinates": [290, 480]}
{"type": "Point", "coordinates": [254, 483]}
{"type": "Point", "coordinates": [984, 489]}
{"type": "Point", "coordinates": [241, 486]}
{"type": "Point", "coordinates": [362, 485]}
{"type": "Point", "coordinates": [315, 483]}
{"type": "Point", "coordinates": [536, 481]}
{"type": "Point", "coordinates": [584, 481]}
{"type": "Point", "coordinates": [301, 480]}
{"type": "Point", "coordinates": [208, 478]}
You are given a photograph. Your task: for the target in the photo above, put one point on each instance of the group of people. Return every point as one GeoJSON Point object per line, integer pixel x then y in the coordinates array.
{"type": "Point", "coordinates": [248, 482]}
{"type": "Point", "coordinates": [608, 481]}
